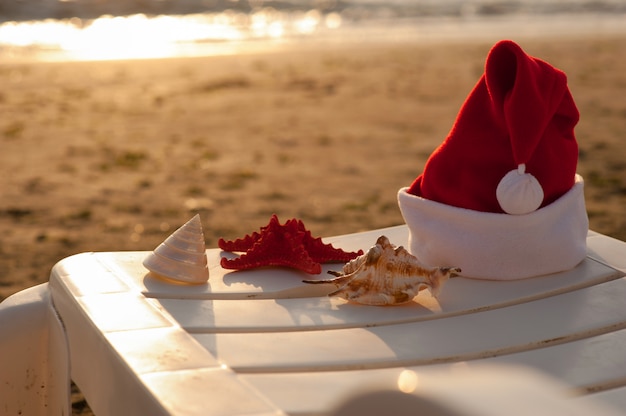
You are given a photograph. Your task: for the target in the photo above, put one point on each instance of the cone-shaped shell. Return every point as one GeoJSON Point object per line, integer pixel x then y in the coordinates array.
{"type": "Point", "coordinates": [182, 256]}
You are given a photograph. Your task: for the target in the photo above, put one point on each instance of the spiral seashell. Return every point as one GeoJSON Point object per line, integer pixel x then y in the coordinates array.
{"type": "Point", "coordinates": [386, 275]}
{"type": "Point", "coordinates": [182, 256]}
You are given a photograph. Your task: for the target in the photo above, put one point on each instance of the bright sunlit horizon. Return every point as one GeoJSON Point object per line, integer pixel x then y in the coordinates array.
{"type": "Point", "coordinates": [264, 29]}
{"type": "Point", "coordinates": [140, 36]}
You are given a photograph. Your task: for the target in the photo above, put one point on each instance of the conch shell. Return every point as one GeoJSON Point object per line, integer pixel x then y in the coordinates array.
{"type": "Point", "coordinates": [387, 275]}
{"type": "Point", "coordinates": [182, 256]}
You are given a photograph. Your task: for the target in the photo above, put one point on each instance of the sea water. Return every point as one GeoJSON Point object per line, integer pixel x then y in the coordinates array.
{"type": "Point", "coordinates": [134, 29]}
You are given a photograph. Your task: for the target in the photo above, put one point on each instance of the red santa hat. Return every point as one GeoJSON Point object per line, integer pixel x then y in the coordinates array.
{"type": "Point", "coordinates": [500, 197]}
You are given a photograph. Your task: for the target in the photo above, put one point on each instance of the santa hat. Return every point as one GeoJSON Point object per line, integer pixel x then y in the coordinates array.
{"type": "Point", "coordinates": [500, 197]}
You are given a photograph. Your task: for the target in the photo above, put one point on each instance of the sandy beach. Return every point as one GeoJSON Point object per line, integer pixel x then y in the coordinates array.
{"type": "Point", "coordinates": [115, 155]}
{"type": "Point", "coordinates": [108, 156]}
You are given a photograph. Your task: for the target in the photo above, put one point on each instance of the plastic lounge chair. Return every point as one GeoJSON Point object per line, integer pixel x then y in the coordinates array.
{"type": "Point", "coordinates": [34, 357]}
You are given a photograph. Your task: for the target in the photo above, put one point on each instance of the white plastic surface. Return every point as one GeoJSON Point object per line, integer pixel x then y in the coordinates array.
{"type": "Point", "coordinates": [261, 342]}
{"type": "Point", "coordinates": [124, 348]}
{"type": "Point", "coordinates": [34, 360]}
{"type": "Point", "coordinates": [481, 390]}
{"type": "Point", "coordinates": [318, 312]}
{"type": "Point", "coordinates": [578, 314]}
{"type": "Point", "coordinates": [583, 366]}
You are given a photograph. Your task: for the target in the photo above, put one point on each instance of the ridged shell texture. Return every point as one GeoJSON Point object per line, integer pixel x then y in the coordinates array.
{"type": "Point", "coordinates": [182, 256]}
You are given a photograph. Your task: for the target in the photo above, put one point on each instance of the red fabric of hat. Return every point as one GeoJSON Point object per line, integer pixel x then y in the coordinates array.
{"type": "Point", "coordinates": [518, 120]}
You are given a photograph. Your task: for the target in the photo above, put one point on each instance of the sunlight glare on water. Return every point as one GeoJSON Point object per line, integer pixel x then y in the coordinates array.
{"type": "Point", "coordinates": [140, 36]}
{"type": "Point", "coordinates": [161, 29]}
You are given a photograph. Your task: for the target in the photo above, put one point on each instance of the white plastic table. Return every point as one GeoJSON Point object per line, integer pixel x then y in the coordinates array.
{"type": "Point", "coordinates": [261, 342]}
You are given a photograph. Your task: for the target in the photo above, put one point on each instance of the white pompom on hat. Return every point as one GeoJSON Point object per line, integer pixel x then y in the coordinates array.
{"type": "Point", "coordinates": [519, 192]}
{"type": "Point", "coordinates": [500, 197]}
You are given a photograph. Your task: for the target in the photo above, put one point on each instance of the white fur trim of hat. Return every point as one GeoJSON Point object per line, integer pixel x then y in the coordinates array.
{"type": "Point", "coordinates": [498, 246]}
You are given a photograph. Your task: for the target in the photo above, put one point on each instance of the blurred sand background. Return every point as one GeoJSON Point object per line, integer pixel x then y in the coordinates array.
{"type": "Point", "coordinates": [115, 155]}
{"type": "Point", "coordinates": [110, 156]}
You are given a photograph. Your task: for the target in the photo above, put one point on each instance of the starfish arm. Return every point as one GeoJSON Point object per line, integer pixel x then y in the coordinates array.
{"type": "Point", "coordinates": [245, 262]}
{"type": "Point", "coordinates": [324, 253]}
{"type": "Point", "coordinates": [240, 244]}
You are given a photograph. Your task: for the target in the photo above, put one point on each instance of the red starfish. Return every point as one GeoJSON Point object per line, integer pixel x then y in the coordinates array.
{"type": "Point", "coordinates": [290, 245]}
{"type": "Point", "coordinates": [240, 244]}
{"type": "Point", "coordinates": [323, 253]}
